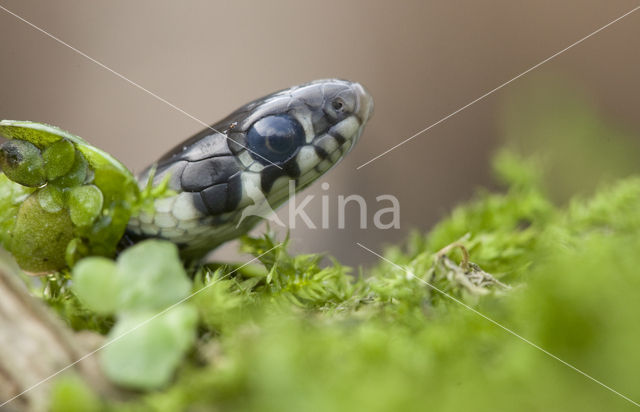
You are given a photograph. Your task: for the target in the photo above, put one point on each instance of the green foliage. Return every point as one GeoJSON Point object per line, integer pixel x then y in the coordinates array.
{"type": "Point", "coordinates": [85, 197]}
{"type": "Point", "coordinates": [39, 238]}
{"type": "Point", "coordinates": [11, 197]}
{"type": "Point", "coordinates": [85, 204]}
{"type": "Point", "coordinates": [81, 199]}
{"type": "Point", "coordinates": [147, 346]}
{"type": "Point", "coordinates": [228, 296]}
{"type": "Point", "coordinates": [298, 279]}
{"type": "Point", "coordinates": [500, 231]}
{"type": "Point", "coordinates": [150, 336]}
{"type": "Point", "coordinates": [73, 395]}
{"type": "Point", "coordinates": [58, 159]}
{"type": "Point", "coordinates": [22, 162]}
{"type": "Point", "coordinates": [295, 333]}
{"type": "Point", "coordinates": [388, 341]}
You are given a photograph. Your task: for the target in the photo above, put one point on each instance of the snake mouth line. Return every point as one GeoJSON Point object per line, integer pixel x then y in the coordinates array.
{"type": "Point", "coordinates": [276, 199]}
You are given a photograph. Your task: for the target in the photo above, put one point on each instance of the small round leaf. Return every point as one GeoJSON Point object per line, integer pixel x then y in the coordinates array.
{"type": "Point", "coordinates": [76, 175]}
{"type": "Point", "coordinates": [96, 283]}
{"type": "Point", "coordinates": [85, 204]}
{"type": "Point", "coordinates": [22, 162]}
{"type": "Point", "coordinates": [58, 159]}
{"type": "Point", "coordinates": [39, 238]}
{"type": "Point", "coordinates": [147, 348]}
{"type": "Point", "coordinates": [51, 198]}
{"type": "Point", "coordinates": [154, 274]}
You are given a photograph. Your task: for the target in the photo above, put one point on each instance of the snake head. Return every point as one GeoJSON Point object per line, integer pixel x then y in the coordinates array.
{"type": "Point", "coordinates": [299, 133]}
{"type": "Point", "coordinates": [260, 151]}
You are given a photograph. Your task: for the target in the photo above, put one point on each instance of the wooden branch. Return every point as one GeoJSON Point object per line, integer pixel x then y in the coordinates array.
{"type": "Point", "coordinates": [35, 344]}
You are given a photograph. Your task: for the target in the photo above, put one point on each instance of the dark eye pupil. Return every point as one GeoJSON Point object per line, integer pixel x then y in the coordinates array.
{"type": "Point", "coordinates": [275, 138]}
{"type": "Point", "coordinates": [337, 104]}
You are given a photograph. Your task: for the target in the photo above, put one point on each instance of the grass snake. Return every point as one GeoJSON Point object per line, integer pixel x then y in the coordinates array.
{"type": "Point", "coordinates": [294, 135]}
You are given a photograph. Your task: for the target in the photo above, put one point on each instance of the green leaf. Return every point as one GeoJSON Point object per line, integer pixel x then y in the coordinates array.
{"type": "Point", "coordinates": [76, 174]}
{"type": "Point", "coordinates": [22, 162]}
{"type": "Point", "coordinates": [71, 394]}
{"type": "Point", "coordinates": [148, 339]}
{"type": "Point", "coordinates": [39, 134]}
{"type": "Point", "coordinates": [154, 276]}
{"type": "Point", "coordinates": [43, 135]}
{"type": "Point", "coordinates": [58, 158]}
{"type": "Point", "coordinates": [147, 347]}
{"type": "Point", "coordinates": [37, 249]}
{"type": "Point", "coordinates": [85, 204]}
{"type": "Point", "coordinates": [11, 196]}
{"type": "Point", "coordinates": [51, 199]}
{"type": "Point", "coordinates": [97, 284]}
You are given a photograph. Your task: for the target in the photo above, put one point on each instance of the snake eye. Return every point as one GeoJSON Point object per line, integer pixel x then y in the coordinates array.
{"type": "Point", "coordinates": [275, 138]}
{"type": "Point", "coordinates": [337, 104]}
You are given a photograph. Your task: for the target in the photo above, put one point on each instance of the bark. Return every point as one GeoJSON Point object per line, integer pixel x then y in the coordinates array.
{"type": "Point", "coordinates": [34, 345]}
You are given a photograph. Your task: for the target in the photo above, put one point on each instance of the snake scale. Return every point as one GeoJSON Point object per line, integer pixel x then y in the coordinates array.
{"type": "Point", "coordinates": [294, 135]}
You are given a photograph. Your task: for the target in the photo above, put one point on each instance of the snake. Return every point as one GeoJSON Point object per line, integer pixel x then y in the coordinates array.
{"type": "Point", "coordinates": [265, 150]}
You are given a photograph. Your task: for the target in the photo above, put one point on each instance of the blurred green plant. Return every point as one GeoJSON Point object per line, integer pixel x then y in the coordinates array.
{"type": "Point", "coordinates": [142, 288]}
{"type": "Point", "coordinates": [290, 334]}
{"type": "Point", "coordinates": [302, 333]}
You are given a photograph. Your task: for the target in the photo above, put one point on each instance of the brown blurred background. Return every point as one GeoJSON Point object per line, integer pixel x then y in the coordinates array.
{"type": "Point", "coordinates": [421, 60]}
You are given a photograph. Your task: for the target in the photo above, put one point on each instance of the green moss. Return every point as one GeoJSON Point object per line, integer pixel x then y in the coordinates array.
{"type": "Point", "coordinates": [73, 395]}
{"type": "Point", "coordinates": [294, 336]}
{"type": "Point", "coordinates": [303, 332]}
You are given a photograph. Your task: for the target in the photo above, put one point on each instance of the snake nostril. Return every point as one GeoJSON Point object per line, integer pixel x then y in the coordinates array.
{"type": "Point", "coordinates": [337, 104]}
